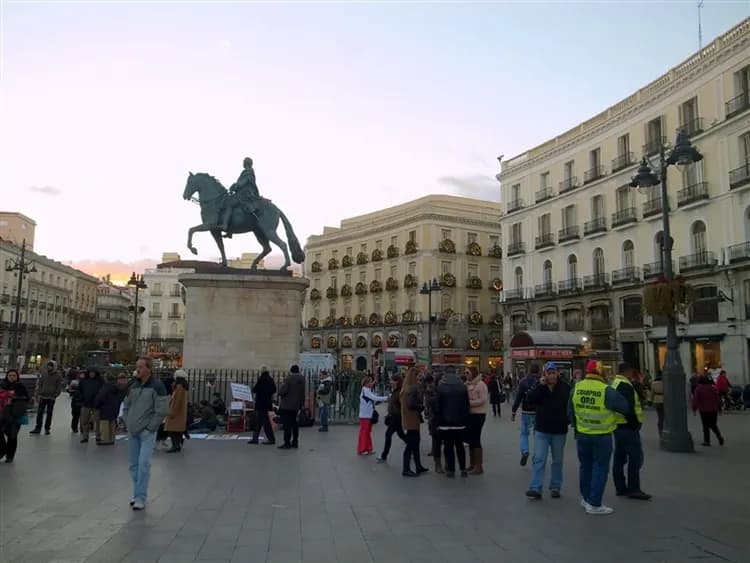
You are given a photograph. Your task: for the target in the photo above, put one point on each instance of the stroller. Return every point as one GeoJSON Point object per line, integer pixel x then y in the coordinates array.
{"type": "Point", "coordinates": [733, 401]}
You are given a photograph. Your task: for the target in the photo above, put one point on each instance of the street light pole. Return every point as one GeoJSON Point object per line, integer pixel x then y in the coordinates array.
{"type": "Point", "coordinates": [23, 267]}
{"type": "Point", "coordinates": [675, 436]}
{"type": "Point", "coordinates": [137, 282]}
{"type": "Point", "coordinates": [427, 289]}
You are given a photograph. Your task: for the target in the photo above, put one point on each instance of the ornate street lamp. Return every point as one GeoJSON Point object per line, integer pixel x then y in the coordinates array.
{"type": "Point", "coordinates": [23, 267]}
{"type": "Point", "coordinates": [428, 289]}
{"type": "Point", "coordinates": [675, 437]}
{"type": "Point", "coordinates": [137, 282]}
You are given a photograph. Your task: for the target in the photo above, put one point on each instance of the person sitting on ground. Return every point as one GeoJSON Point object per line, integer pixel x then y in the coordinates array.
{"type": "Point", "coordinates": [219, 406]}
{"type": "Point", "coordinates": [207, 421]}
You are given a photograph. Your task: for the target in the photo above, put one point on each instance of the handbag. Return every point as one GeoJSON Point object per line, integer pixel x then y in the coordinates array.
{"type": "Point", "coordinates": [388, 420]}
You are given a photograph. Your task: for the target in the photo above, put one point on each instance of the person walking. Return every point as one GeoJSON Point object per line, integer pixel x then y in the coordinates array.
{"type": "Point", "coordinates": [429, 387]}
{"type": "Point", "coordinates": [478, 400]}
{"type": "Point", "coordinates": [707, 401]}
{"type": "Point", "coordinates": [263, 392]}
{"type": "Point", "coordinates": [412, 405]}
{"type": "Point", "coordinates": [14, 400]}
{"type": "Point", "coordinates": [497, 396]}
{"type": "Point", "coordinates": [48, 389]}
{"type": "Point", "coordinates": [451, 412]}
{"type": "Point", "coordinates": [75, 401]}
{"type": "Point", "coordinates": [628, 447]}
{"type": "Point", "coordinates": [550, 398]}
{"type": "Point", "coordinates": [144, 408]}
{"type": "Point", "coordinates": [657, 399]}
{"type": "Point", "coordinates": [292, 399]}
{"type": "Point", "coordinates": [176, 422]}
{"type": "Point", "coordinates": [324, 393]}
{"type": "Point", "coordinates": [367, 414]}
{"type": "Point", "coordinates": [107, 404]}
{"type": "Point", "coordinates": [593, 407]}
{"type": "Point", "coordinates": [528, 411]}
{"type": "Point", "coordinates": [393, 418]}
{"type": "Point", "coordinates": [89, 388]}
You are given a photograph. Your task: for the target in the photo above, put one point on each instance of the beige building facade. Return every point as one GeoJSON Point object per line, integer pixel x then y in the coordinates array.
{"type": "Point", "coordinates": [365, 279]}
{"type": "Point", "coordinates": [113, 319]}
{"type": "Point", "coordinates": [16, 227]}
{"type": "Point", "coordinates": [580, 243]}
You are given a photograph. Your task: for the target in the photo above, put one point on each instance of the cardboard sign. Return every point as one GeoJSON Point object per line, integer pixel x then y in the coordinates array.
{"type": "Point", "coordinates": [241, 392]}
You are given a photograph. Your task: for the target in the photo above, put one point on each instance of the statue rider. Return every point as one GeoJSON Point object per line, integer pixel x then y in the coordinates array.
{"type": "Point", "coordinates": [244, 193]}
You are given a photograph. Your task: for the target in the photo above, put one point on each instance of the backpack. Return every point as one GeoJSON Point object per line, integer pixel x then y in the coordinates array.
{"type": "Point", "coordinates": [305, 418]}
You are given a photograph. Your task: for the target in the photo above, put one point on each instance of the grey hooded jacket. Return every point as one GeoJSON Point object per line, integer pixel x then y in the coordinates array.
{"type": "Point", "coordinates": [145, 406]}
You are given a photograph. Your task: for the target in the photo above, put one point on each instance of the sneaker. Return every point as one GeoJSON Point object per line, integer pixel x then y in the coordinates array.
{"type": "Point", "coordinates": [138, 505]}
{"type": "Point", "coordinates": [721, 441]}
{"type": "Point", "coordinates": [35, 431]}
{"type": "Point", "coordinates": [464, 473]}
{"type": "Point", "coordinates": [599, 510]}
{"type": "Point", "coordinates": [132, 501]}
{"type": "Point", "coordinates": [584, 504]}
{"type": "Point", "coordinates": [421, 470]}
{"type": "Point", "coordinates": [409, 473]}
{"type": "Point", "coordinates": [253, 442]}
{"type": "Point", "coordinates": [380, 459]}
{"type": "Point", "coordinates": [85, 441]}
{"type": "Point", "coordinates": [532, 494]}
{"type": "Point", "coordinates": [554, 493]}
{"type": "Point", "coordinates": [524, 459]}
{"type": "Point", "coordinates": [46, 431]}
{"type": "Point", "coordinates": [639, 495]}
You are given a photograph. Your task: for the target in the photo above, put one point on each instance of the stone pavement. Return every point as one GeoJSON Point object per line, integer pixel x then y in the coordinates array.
{"type": "Point", "coordinates": [228, 501]}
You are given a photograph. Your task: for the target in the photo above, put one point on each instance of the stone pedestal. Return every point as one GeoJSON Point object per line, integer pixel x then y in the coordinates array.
{"type": "Point", "coordinates": [242, 321]}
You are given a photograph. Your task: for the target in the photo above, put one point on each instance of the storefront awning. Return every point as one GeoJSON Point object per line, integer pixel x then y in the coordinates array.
{"type": "Point", "coordinates": [545, 339]}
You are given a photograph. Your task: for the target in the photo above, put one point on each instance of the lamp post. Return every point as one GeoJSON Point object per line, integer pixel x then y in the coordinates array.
{"type": "Point", "coordinates": [675, 437]}
{"type": "Point", "coordinates": [23, 267]}
{"type": "Point", "coordinates": [427, 289]}
{"type": "Point", "coordinates": [137, 282]}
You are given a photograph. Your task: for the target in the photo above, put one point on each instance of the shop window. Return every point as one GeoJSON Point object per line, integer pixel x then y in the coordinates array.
{"type": "Point", "coordinates": [706, 356]}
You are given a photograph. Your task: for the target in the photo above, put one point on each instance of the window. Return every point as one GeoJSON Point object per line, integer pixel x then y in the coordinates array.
{"type": "Point", "coordinates": [155, 289]}
{"type": "Point", "coordinates": [348, 250]}
{"type": "Point", "coordinates": [698, 237]}
{"type": "Point", "coordinates": [692, 174]}
{"type": "Point", "coordinates": [572, 267]}
{"type": "Point", "coordinates": [378, 274]}
{"type": "Point", "coordinates": [445, 234]}
{"type": "Point", "coordinates": [155, 307]}
{"type": "Point", "coordinates": [445, 267]}
{"type": "Point", "coordinates": [519, 277]}
{"type": "Point", "coordinates": [332, 312]}
{"type": "Point", "coordinates": [413, 268]}
{"type": "Point", "coordinates": [569, 216]}
{"type": "Point", "coordinates": [347, 309]}
{"type": "Point", "coordinates": [705, 308]}
{"type": "Point", "coordinates": [545, 224]}
{"type": "Point", "coordinates": [628, 254]}
{"type": "Point", "coordinates": [471, 238]}
{"type": "Point", "coordinates": [445, 301]}
{"type": "Point", "coordinates": [363, 277]}
{"type": "Point", "coordinates": [547, 273]}
{"type": "Point", "coordinates": [494, 240]}
{"type": "Point", "coordinates": [379, 244]}
{"type": "Point", "coordinates": [316, 283]}
{"type": "Point", "coordinates": [413, 236]}
{"type": "Point", "coordinates": [412, 302]}
{"type": "Point", "coordinates": [623, 145]}
{"type": "Point", "coordinates": [689, 115]}
{"type": "Point", "coordinates": [472, 305]}
{"type": "Point", "coordinates": [334, 281]}
{"type": "Point", "coordinates": [317, 257]}
{"type": "Point", "coordinates": [363, 247]}
{"type": "Point", "coordinates": [573, 319]}
{"type": "Point", "coordinates": [155, 330]}
{"type": "Point", "coordinates": [597, 207]}
{"type": "Point", "coordinates": [334, 253]}
{"type": "Point", "coordinates": [744, 153]}
{"type": "Point", "coordinates": [595, 159]}
{"type": "Point", "coordinates": [742, 81]}
{"type": "Point", "coordinates": [658, 248]}
{"type": "Point", "coordinates": [515, 192]}
{"type": "Point", "coordinates": [654, 135]}
{"type": "Point", "coordinates": [494, 272]}
{"type": "Point", "coordinates": [473, 270]}
{"type": "Point", "coordinates": [376, 305]}
{"type": "Point", "coordinates": [348, 279]}
{"type": "Point", "coordinates": [544, 180]}
{"type": "Point", "coordinates": [515, 233]}
{"type": "Point", "coordinates": [394, 272]}
{"type": "Point", "coordinates": [568, 169]}
{"type": "Point", "coordinates": [394, 241]}
{"type": "Point", "coordinates": [173, 330]}
{"type": "Point", "coordinates": [624, 198]}
{"type": "Point", "coordinates": [598, 261]}
{"type": "Point", "coordinates": [361, 306]}
{"type": "Point", "coordinates": [175, 309]}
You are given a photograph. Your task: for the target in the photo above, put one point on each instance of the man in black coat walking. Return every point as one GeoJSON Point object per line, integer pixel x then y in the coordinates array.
{"type": "Point", "coordinates": [292, 395]}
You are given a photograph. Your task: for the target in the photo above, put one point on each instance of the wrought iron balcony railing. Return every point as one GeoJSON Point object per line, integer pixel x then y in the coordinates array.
{"type": "Point", "coordinates": [593, 174]}
{"type": "Point", "coordinates": [543, 194]}
{"type": "Point", "coordinates": [568, 184]}
{"type": "Point", "coordinates": [739, 176]}
{"type": "Point", "coordinates": [544, 240]}
{"type": "Point", "coordinates": [691, 194]}
{"type": "Point", "coordinates": [596, 225]}
{"type": "Point", "coordinates": [699, 260]}
{"type": "Point", "coordinates": [624, 216]}
{"type": "Point", "coordinates": [572, 232]}
{"type": "Point", "coordinates": [623, 161]}
{"type": "Point", "coordinates": [627, 275]}
{"type": "Point", "coordinates": [738, 104]}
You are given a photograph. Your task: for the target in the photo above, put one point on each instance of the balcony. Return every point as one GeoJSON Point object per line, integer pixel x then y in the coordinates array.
{"type": "Point", "coordinates": [698, 261]}
{"type": "Point", "coordinates": [652, 207]}
{"type": "Point", "coordinates": [692, 194]}
{"type": "Point", "coordinates": [568, 184]}
{"type": "Point", "coordinates": [154, 314]}
{"type": "Point", "coordinates": [596, 225]}
{"type": "Point", "coordinates": [574, 325]}
{"type": "Point", "coordinates": [654, 269]}
{"type": "Point", "coordinates": [622, 161]}
{"type": "Point", "coordinates": [624, 217]}
{"type": "Point", "coordinates": [653, 145]}
{"type": "Point", "coordinates": [544, 290]}
{"type": "Point", "coordinates": [739, 176]}
{"type": "Point", "coordinates": [513, 294]}
{"type": "Point", "coordinates": [515, 248]}
{"type": "Point", "coordinates": [739, 252]}
{"type": "Point", "coordinates": [544, 241]}
{"type": "Point", "coordinates": [543, 194]}
{"type": "Point", "coordinates": [549, 326]}
{"type": "Point", "coordinates": [175, 293]}
{"type": "Point", "coordinates": [572, 232]}
{"type": "Point", "coordinates": [737, 105]}
{"type": "Point", "coordinates": [174, 315]}
{"type": "Point", "coordinates": [624, 276]}
{"type": "Point", "coordinates": [593, 174]}
{"type": "Point", "coordinates": [156, 292]}
{"type": "Point", "coordinates": [596, 282]}
{"type": "Point", "coordinates": [692, 127]}
{"type": "Point", "coordinates": [635, 321]}
{"type": "Point", "coordinates": [515, 205]}
{"type": "Point", "coordinates": [566, 287]}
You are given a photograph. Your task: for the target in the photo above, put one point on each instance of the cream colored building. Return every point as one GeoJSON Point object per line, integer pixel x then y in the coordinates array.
{"type": "Point", "coordinates": [580, 243]}
{"type": "Point", "coordinates": [366, 274]}
{"type": "Point", "coordinates": [16, 227]}
{"type": "Point", "coordinates": [114, 319]}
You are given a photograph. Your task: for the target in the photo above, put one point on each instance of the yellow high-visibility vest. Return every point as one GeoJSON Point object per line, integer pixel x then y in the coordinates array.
{"type": "Point", "coordinates": [620, 418]}
{"type": "Point", "coordinates": [592, 416]}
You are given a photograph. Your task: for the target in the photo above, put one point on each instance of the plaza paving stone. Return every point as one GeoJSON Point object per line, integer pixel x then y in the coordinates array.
{"type": "Point", "coordinates": [228, 501]}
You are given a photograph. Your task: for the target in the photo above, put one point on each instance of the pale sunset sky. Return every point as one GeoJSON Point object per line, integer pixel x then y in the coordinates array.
{"type": "Point", "coordinates": [345, 107]}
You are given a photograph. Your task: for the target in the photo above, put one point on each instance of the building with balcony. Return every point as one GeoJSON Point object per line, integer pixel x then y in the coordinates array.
{"type": "Point", "coordinates": [114, 319]}
{"type": "Point", "coordinates": [598, 241]}
{"type": "Point", "coordinates": [365, 279]}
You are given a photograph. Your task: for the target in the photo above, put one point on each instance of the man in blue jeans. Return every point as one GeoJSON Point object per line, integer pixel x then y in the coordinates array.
{"type": "Point", "coordinates": [550, 398]}
{"type": "Point", "coordinates": [144, 409]}
{"type": "Point", "coordinates": [528, 412]}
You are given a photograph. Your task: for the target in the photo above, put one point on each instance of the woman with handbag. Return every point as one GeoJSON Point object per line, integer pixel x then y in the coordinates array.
{"type": "Point", "coordinates": [412, 405]}
{"type": "Point", "coordinates": [393, 418]}
{"type": "Point", "coordinates": [367, 416]}
{"type": "Point", "coordinates": [13, 403]}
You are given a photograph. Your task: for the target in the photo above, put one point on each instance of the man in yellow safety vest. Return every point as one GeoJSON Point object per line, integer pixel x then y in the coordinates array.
{"type": "Point", "coordinates": [628, 448]}
{"type": "Point", "coordinates": [593, 405]}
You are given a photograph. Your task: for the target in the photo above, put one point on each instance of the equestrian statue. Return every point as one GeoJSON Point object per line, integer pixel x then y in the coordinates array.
{"type": "Point", "coordinates": [238, 210]}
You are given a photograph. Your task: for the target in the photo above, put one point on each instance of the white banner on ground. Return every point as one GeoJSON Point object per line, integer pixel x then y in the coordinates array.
{"type": "Point", "coordinates": [241, 392]}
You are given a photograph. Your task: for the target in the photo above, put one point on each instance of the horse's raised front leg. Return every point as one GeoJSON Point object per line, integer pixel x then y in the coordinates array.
{"type": "Point", "coordinates": [191, 231]}
{"type": "Point", "coordinates": [216, 233]}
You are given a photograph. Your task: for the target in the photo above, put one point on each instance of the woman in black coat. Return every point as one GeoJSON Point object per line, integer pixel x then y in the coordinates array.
{"type": "Point", "coordinates": [497, 395]}
{"type": "Point", "coordinates": [263, 392]}
{"type": "Point", "coordinates": [11, 414]}
{"type": "Point", "coordinates": [107, 402]}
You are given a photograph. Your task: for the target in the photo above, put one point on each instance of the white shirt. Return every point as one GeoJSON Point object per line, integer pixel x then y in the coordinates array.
{"type": "Point", "coordinates": [367, 400]}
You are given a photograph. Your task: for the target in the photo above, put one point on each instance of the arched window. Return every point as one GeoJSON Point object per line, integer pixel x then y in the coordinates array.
{"type": "Point", "coordinates": [547, 273]}
{"type": "Point", "coordinates": [173, 330]}
{"type": "Point", "coordinates": [598, 261]}
{"type": "Point", "coordinates": [155, 330]}
{"type": "Point", "coordinates": [698, 237]}
{"type": "Point", "coordinates": [519, 277]}
{"type": "Point", "coordinates": [628, 254]}
{"type": "Point", "coordinates": [572, 267]}
{"type": "Point", "coordinates": [658, 251]}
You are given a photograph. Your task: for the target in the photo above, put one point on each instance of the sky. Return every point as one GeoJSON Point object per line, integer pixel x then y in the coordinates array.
{"type": "Point", "coordinates": [345, 107]}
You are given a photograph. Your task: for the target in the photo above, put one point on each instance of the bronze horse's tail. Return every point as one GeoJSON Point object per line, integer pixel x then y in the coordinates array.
{"type": "Point", "coordinates": [298, 255]}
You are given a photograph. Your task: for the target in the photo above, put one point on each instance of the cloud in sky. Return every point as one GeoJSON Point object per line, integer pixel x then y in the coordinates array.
{"type": "Point", "coordinates": [46, 190]}
{"type": "Point", "coordinates": [118, 269]}
{"type": "Point", "coordinates": [476, 186]}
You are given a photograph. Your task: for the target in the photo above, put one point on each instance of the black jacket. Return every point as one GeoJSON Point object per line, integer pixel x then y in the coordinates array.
{"type": "Point", "coordinates": [394, 404]}
{"type": "Point", "coordinates": [108, 401]}
{"type": "Point", "coordinates": [495, 388]}
{"type": "Point", "coordinates": [263, 391]}
{"type": "Point", "coordinates": [89, 388]}
{"type": "Point", "coordinates": [451, 403]}
{"type": "Point", "coordinates": [551, 407]}
{"type": "Point", "coordinates": [629, 392]}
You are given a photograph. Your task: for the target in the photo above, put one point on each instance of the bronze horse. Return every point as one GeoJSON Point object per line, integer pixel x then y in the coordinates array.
{"type": "Point", "coordinates": [213, 197]}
